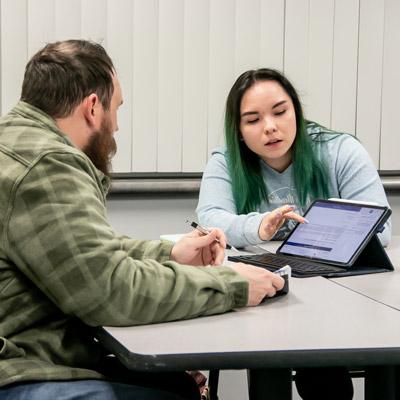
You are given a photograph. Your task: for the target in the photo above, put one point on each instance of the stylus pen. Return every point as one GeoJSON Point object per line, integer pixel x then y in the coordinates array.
{"type": "Point", "coordinates": [206, 231]}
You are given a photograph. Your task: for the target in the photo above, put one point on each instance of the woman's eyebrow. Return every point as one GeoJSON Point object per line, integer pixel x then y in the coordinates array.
{"type": "Point", "coordinates": [279, 104]}
{"type": "Point", "coordinates": [248, 113]}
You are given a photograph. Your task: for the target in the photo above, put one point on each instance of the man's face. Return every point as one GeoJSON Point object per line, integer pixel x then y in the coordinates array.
{"type": "Point", "coordinates": [101, 146]}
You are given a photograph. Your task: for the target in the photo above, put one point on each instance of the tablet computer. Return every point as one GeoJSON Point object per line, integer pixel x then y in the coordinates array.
{"type": "Point", "coordinates": [336, 232]}
{"type": "Point", "coordinates": [338, 240]}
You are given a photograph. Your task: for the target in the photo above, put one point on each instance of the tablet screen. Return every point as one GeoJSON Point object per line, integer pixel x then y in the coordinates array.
{"type": "Point", "coordinates": [335, 231]}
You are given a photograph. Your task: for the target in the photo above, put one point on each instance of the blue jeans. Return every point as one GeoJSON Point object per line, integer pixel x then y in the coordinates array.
{"type": "Point", "coordinates": [82, 390]}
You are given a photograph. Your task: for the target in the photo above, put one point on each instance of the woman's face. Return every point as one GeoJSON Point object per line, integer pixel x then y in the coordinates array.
{"type": "Point", "coordinates": [268, 123]}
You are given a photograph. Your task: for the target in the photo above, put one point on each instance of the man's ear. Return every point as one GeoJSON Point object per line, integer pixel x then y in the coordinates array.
{"type": "Point", "coordinates": [91, 110]}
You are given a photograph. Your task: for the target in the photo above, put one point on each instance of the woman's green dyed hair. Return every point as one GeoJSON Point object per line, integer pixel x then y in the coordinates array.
{"type": "Point", "coordinates": [248, 186]}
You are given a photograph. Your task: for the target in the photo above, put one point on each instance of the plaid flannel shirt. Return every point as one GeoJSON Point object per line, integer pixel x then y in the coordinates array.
{"type": "Point", "coordinates": [63, 268]}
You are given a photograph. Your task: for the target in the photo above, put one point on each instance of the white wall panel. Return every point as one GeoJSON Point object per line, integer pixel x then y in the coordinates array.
{"type": "Point", "coordinates": [272, 33]}
{"type": "Point", "coordinates": [41, 27]}
{"type": "Point", "coordinates": [296, 46]}
{"type": "Point", "coordinates": [94, 20]}
{"type": "Point", "coordinates": [390, 143]}
{"type": "Point", "coordinates": [221, 66]}
{"type": "Point", "coordinates": [177, 60]}
{"type": "Point", "coordinates": [144, 71]}
{"type": "Point", "coordinates": [195, 85]}
{"type": "Point", "coordinates": [370, 76]}
{"type": "Point", "coordinates": [247, 35]}
{"type": "Point", "coordinates": [120, 48]}
{"type": "Point", "coordinates": [344, 74]}
{"type": "Point", "coordinates": [320, 61]}
{"type": "Point", "coordinates": [170, 93]}
{"type": "Point", "coordinates": [13, 51]}
{"type": "Point", "coordinates": [67, 21]}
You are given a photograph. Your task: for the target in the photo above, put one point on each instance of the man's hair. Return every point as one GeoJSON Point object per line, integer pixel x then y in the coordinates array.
{"type": "Point", "coordinates": [248, 186]}
{"type": "Point", "coordinates": [59, 77]}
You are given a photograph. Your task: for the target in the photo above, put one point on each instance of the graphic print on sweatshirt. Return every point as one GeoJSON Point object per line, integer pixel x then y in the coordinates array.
{"type": "Point", "coordinates": [278, 198]}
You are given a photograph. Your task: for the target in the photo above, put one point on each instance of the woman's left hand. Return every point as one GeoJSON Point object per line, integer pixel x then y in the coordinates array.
{"type": "Point", "coordinates": [195, 248]}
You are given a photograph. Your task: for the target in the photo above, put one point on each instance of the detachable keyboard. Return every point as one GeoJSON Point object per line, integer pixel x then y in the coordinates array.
{"type": "Point", "coordinates": [300, 268]}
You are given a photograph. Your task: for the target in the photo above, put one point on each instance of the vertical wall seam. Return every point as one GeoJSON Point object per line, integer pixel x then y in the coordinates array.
{"type": "Point", "coordinates": [332, 61]}
{"type": "Point", "coordinates": [158, 82]}
{"type": "Point", "coordinates": [181, 101]}
{"type": "Point", "coordinates": [284, 37]}
{"type": "Point", "coordinates": [207, 94]}
{"type": "Point", "coordinates": [132, 85]}
{"type": "Point", "coordinates": [382, 77]}
{"type": "Point", "coordinates": [1, 62]}
{"type": "Point", "coordinates": [357, 68]}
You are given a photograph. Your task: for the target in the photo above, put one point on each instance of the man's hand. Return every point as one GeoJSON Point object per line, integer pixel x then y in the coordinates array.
{"type": "Point", "coordinates": [275, 219]}
{"type": "Point", "coordinates": [262, 283]}
{"type": "Point", "coordinates": [196, 248]}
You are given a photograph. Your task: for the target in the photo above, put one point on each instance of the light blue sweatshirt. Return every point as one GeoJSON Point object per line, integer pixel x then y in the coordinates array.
{"type": "Point", "coordinates": [351, 172]}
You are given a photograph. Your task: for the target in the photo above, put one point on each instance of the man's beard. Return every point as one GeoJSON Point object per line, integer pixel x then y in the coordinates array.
{"type": "Point", "coordinates": [102, 147]}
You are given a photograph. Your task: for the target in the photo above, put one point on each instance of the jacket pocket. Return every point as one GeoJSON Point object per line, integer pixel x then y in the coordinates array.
{"type": "Point", "coordinates": [9, 350]}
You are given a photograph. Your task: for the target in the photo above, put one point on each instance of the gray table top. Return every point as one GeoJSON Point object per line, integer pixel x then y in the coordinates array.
{"type": "Point", "coordinates": [317, 319]}
{"type": "Point", "coordinates": [320, 322]}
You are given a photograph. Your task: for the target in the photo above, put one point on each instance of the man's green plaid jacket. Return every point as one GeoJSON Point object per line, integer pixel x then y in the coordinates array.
{"type": "Point", "coordinates": [64, 269]}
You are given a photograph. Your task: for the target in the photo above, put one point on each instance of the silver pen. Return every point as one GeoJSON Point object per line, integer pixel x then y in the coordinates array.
{"type": "Point", "coordinates": [206, 231]}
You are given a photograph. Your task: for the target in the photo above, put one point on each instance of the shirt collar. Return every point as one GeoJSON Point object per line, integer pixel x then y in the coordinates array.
{"type": "Point", "coordinates": [33, 113]}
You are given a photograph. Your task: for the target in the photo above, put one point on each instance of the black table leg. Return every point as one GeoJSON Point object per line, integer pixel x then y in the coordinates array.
{"type": "Point", "coordinates": [380, 383]}
{"type": "Point", "coordinates": [271, 384]}
{"type": "Point", "coordinates": [213, 378]}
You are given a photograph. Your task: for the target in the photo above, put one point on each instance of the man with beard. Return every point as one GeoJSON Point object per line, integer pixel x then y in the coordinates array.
{"type": "Point", "coordinates": [64, 269]}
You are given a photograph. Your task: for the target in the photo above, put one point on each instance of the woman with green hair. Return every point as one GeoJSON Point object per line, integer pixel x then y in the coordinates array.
{"type": "Point", "coordinates": [276, 162]}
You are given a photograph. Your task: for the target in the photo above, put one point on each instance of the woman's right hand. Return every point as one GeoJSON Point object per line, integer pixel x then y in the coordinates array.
{"type": "Point", "coordinates": [275, 219]}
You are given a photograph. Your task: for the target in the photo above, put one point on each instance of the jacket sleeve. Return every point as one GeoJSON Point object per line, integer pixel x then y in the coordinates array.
{"type": "Point", "coordinates": [357, 177]}
{"type": "Point", "coordinates": [217, 207]}
{"type": "Point", "coordinates": [59, 238]}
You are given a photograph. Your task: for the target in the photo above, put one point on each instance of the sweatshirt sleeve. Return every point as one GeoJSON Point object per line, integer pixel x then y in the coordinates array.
{"type": "Point", "coordinates": [357, 177]}
{"type": "Point", "coordinates": [216, 207]}
{"type": "Point", "coordinates": [59, 238]}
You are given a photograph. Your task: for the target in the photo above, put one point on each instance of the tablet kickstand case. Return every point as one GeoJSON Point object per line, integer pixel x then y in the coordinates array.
{"type": "Point", "coordinates": [372, 259]}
